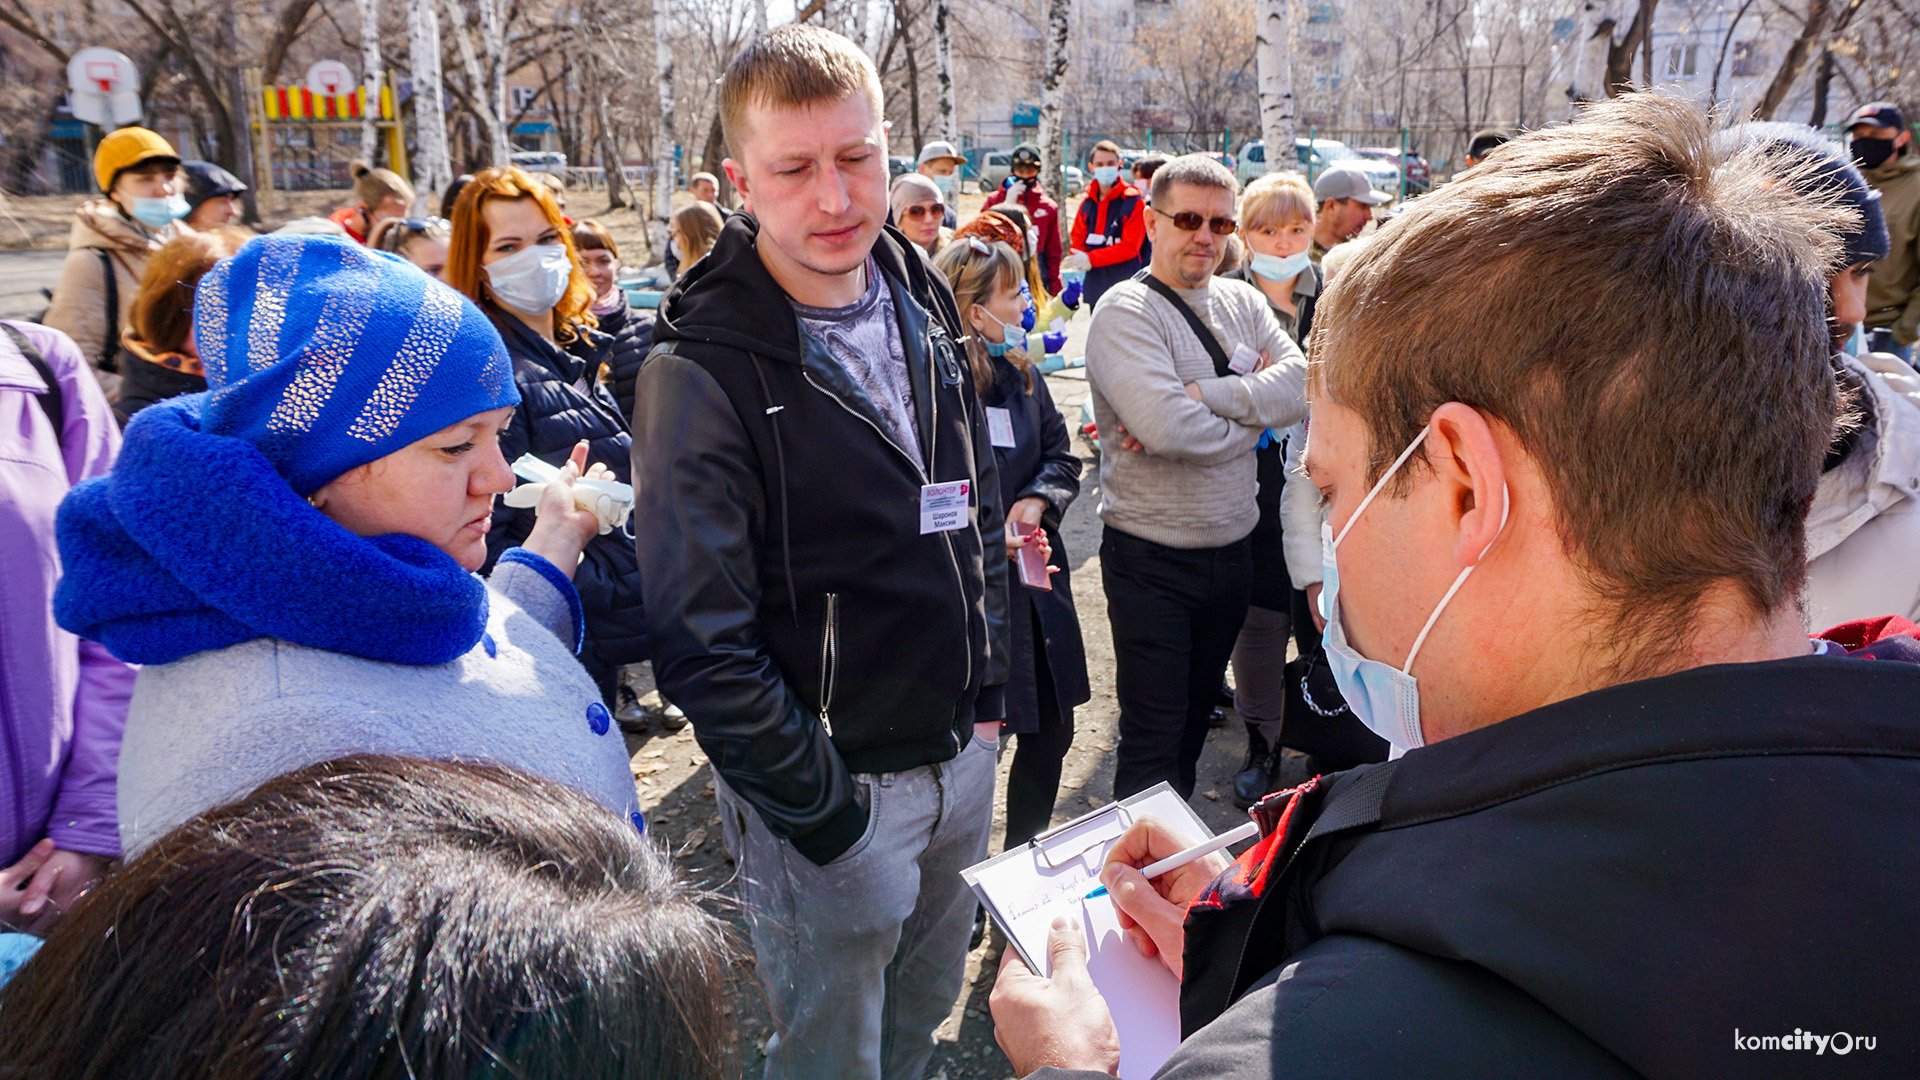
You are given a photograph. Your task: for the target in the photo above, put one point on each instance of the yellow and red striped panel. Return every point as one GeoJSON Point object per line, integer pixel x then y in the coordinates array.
{"type": "Point", "coordinates": [300, 103]}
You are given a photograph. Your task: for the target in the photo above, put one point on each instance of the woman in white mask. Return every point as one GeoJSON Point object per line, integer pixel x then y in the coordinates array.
{"type": "Point", "coordinates": [513, 255]}
{"type": "Point", "coordinates": [1276, 226]}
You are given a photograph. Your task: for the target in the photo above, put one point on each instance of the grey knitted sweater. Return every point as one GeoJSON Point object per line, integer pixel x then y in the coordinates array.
{"type": "Point", "coordinates": [1193, 485]}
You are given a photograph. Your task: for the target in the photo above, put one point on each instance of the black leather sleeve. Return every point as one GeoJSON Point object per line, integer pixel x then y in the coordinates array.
{"type": "Point", "coordinates": [701, 509]}
{"type": "Point", "coordinates": [1058, 480]}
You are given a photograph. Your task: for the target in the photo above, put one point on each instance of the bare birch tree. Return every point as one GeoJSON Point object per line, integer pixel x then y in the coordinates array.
{"type": "Point", "coordinates": [482, 85]}
{"type": "Point", "coordinates": [1053, 82]}
{"type": "Point", "coordinates": [664, 132]}
{"type": "Point", "coordinates": [430, 171]}
{"type": "Point", "coordinates": [1273, 58]}
{"type": "Point", "coordinates": [371, 77]}
{"type": "Point", "coordinates": [943, 67]}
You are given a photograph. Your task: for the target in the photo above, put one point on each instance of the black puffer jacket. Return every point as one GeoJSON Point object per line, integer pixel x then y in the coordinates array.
{"type": "Point", "coordinates": [798, 614]}
{"type": "Point", "coordinates": [632, 332]}
{"type": "Point", "coordinates": [554, 414]}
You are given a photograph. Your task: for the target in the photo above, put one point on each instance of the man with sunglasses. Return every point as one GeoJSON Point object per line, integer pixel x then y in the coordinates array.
{"type": "Point", "coordinates": [1187, 370]}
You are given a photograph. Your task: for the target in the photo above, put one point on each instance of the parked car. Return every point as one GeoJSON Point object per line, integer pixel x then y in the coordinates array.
{"type": "Point", "coordinates": [1221, 157]}
{"type": "Point", "coordinates": [898, 166]}
{"type": "Point", "coordinates": [1316, 156]}
{"type": "Point", "coordinates": [1419, 173]}
{"type": "Point", "coordinates": [547, 161]}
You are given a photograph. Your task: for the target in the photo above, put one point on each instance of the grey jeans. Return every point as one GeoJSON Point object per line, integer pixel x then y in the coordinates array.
{"type": "Point", "coordinates": [1260, 670]}
{"type": "Point", "coordinates": [864, 957]}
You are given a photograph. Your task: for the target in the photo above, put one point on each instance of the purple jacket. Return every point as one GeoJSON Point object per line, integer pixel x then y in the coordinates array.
{"type": "Point", "coordinates": [63, 701]}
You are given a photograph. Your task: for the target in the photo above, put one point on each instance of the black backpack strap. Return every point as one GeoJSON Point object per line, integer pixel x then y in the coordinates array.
{"type": "Point", "coordinates": [1211, 343]}
{"type": "Point", "coordinates": [110, 345]}
{"type": "Point", "coordinates": [53, 402]}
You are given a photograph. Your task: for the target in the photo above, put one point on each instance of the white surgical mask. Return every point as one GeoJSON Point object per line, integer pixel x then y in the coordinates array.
{"type": "Point", "coordinates": [1385, 698]}
{"type": "Point", "coordinates": [532, 279]}
{"type": "Point", "coordinates": [1279, 267]}
{"type": "Point", "coordinates": [159, 213]}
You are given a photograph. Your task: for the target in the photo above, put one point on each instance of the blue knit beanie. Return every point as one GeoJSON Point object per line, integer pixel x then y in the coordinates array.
{"type": "Point", "coordinates": [1814, 165]}
{"type": "Point", "coordinates": [326, 355]}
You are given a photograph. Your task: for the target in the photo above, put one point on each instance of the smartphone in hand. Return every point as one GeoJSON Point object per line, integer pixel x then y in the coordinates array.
{"type": "Point", "coordinates": [1032, 564]}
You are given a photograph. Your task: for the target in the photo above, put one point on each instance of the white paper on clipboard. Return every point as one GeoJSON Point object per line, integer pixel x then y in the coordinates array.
{"type": "Point", "coordinates": [1027, 888]}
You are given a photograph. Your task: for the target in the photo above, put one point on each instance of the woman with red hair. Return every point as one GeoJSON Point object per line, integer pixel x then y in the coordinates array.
{"type": "Point", "coordinates": [513, 254]}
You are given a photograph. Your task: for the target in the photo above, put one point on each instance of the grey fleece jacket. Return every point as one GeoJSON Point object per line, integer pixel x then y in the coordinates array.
{"type": "Point", "coordinates": [1193, 485]}
{"type": "Point", "coordinates": [210, 728]}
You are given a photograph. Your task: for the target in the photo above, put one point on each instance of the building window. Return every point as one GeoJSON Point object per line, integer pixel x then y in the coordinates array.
{"type": "Point", "coordinates": [1682, 61]}
{"type": "Point", "coordinates": [1746, 58]}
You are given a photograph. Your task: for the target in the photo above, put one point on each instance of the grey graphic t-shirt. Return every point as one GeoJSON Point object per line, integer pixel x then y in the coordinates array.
{"type": "Point", "coordinates": [865, 339]}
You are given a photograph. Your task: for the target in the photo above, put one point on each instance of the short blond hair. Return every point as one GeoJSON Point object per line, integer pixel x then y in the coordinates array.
{"type": "Point", "coordinates": [1276, 199]}
{"type": "Point", "coordinates": [791, 66]}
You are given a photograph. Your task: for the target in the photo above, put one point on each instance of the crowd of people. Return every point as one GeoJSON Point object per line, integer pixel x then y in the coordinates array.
{"type": "Point", "coordinates": [1579, 578]}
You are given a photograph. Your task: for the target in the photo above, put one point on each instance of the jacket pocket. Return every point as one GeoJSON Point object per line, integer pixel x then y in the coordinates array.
{"type": "Point", "coordinates": [829, 660]}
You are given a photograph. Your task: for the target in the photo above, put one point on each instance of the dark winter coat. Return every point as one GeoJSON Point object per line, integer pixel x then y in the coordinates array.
{"type": "Point", "coordinates": [632, 332]}
{"type": "Point", "coordinates": [1272, 587]}
{"type": "Point", "coordinates": [1620, 884]}
{"type": "Point", "coordinates": [1040, 463]}
{"type": "Point", "coordinates": [144, 381]}
{"type": "Point", "coordinates": [798, 614]}
{"type": "Point", "coordinates": [562, 402]}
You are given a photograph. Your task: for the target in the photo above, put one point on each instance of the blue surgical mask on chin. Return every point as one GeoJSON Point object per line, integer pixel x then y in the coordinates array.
{"type": "Point", "coordinates": [1280, 267]}
{"type": "Point", "coordinates": [1385, 698]}
{"type": "Point", "coordinates": [1012, 336]}
{"type": "Point", "coordinates": [159, 213]}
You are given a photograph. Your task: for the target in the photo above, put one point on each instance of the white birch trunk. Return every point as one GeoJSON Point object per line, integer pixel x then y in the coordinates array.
{"type": "Point", "coordinates": [1053, 80]}
{"type": "Point", "coordinates": [430, 172]}
{"type": "Point", "coordinates": [663, 179]}
{"type": "Point", "coordinates": [943, 71]}
{"type": "Point", "coordinates": [493, 41]}
{"type": "Point", "coordinates": [371, 77]}
{"type": "Point", "coordinates": [759, 17]}
{"type": "Point", "coordinates": [492, 115]}
{"type": "Point", "coordinates": [1273, 56]}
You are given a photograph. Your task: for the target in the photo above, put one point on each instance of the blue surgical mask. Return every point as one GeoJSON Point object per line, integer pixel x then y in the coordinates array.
{"type": "Point", "coordinates": [1106, 175]}
{"type": "Point", "coordinates": [1385, 698]}
{"type": "Point", "coordinates": [1012, 336]}
{"type": "Point", "coordinates": [1280, 267]}
{"type": "Point", "coordinates": [949, 185]}
{"type": "Point", "coordinates": [159, 213]}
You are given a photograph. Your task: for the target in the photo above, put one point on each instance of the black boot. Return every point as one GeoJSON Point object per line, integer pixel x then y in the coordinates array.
{"type": "Point", "coordinates": [1251, 782]}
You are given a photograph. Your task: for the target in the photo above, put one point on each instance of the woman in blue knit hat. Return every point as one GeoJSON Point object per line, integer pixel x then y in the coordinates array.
{"type": "Point", "coordinates": [291, 553]}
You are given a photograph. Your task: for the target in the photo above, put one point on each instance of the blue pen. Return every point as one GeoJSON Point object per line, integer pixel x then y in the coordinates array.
{"type": "Point", "coordinates": [1173, 862]}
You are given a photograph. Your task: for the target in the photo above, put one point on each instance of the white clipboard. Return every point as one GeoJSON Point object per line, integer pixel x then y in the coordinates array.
{"type": "Point", "coordinates": [1026, 888]}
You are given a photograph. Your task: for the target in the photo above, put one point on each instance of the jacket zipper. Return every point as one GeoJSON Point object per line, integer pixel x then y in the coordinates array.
{"type": "Point", "coordinates": [953, 553]}
{"type": "Point", "coordinates": [829, 660]}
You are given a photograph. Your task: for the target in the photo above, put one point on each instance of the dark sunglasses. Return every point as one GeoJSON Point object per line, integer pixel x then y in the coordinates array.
{"type": "Point", "coordinates": [1188, 221]}
{"type": "Point", "coordinates": [938, 210]}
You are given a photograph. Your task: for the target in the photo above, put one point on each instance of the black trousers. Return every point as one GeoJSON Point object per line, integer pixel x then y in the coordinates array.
{"type": "Point", "coordinates": [1033, 780]}
{"type": "Point", "coordinates": [1175, 613]}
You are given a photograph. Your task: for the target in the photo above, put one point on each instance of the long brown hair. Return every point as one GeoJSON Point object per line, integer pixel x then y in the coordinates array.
{"type": "Point", "coordinates": [977, 269]}
{"type": "Point", "coordinates": [378, 917]}
{"type": "Point", "coordinates": [471, 236]}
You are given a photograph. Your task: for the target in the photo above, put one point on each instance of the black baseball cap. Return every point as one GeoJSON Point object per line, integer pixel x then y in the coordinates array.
{"type": "Point", "coordinates": [205, 180]}
{"type": "Point", "coordinates": [1026, 154]}
{"type": "Point", "coordinates": [1880, 114]}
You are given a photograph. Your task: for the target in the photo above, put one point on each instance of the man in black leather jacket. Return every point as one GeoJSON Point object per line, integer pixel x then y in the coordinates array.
{"type": "Point", "coordinates": [824, 569]}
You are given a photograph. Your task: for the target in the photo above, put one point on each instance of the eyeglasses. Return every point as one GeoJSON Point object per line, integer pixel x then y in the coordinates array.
{"type": "Point", "coordinates": [1188, 221]}
{"type": "Point", "coordinates": [393, 238]}
{"type": "Point", "coordinates": [422, 224]}
{"type": "Point", "coordinates": [917, 210]}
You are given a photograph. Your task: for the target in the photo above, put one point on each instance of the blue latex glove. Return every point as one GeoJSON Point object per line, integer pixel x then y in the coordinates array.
{"type": "Point", "coordinates": [1054, 362]}
{"type": "Point", "coordinates": [1074, 281]}
{"type": "Point", "coordinates": [1028, 314]}
{"type": "Point", "coordinates": [1053, 342]}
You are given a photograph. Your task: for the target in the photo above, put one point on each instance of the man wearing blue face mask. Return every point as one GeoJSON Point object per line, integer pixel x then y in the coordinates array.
{"type": "Point", "coordinates": [138, 173]}
{"type": "Point", "coordinates": [1111, 225]}
{"type": "Point", "coordinates": [1638, 809]}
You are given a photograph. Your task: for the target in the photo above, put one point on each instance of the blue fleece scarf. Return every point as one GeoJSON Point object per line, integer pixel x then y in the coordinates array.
{"type": "Point", "coordinates": [194, 542]}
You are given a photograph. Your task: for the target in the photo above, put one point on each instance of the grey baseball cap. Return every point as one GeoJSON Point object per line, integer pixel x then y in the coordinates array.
{"type": "Point", "coordinates": [1346, 182]}
{"type": "Point", "coordinates": [937, 150]}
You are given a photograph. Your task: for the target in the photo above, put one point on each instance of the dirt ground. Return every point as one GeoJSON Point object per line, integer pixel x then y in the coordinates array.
{"type": "Point", "coordinates": [676, 788]}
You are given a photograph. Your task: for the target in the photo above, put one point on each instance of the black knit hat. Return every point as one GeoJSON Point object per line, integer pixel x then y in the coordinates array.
{"type": "Point", "coordinates": [1833, 173]}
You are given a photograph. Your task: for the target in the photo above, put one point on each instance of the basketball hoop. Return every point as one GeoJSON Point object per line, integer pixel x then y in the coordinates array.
{"type": "Point", "coordinates": [104, 87]}
{"type": "Point", "coordinates": [329, 78]}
